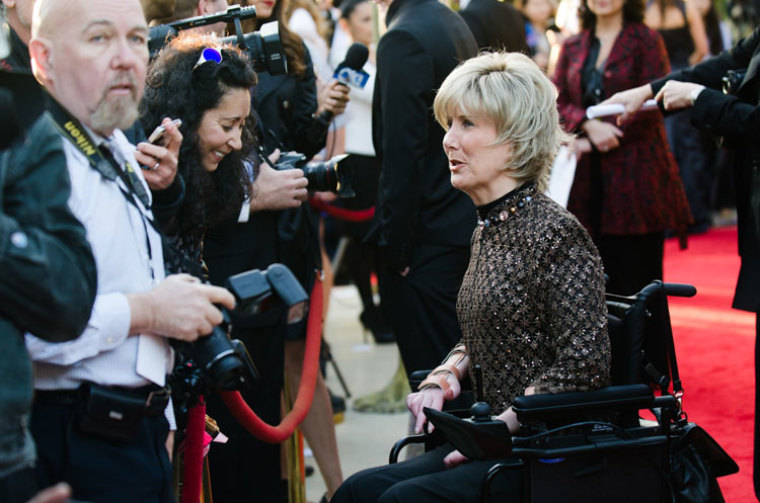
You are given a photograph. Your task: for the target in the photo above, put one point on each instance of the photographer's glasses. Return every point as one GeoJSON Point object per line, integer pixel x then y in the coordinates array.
{"type": "Point", "coordinates": [208, 54]}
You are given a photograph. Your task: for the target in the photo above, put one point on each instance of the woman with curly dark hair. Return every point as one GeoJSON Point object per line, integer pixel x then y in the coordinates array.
{"type": "Point", "coordinates": [275, 227]}
{"type": "Point", "coordinates": [207, 86]}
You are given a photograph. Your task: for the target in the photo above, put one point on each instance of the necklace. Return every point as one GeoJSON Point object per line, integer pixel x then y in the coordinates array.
{"type": "Point", "coordinates": [504, 214]}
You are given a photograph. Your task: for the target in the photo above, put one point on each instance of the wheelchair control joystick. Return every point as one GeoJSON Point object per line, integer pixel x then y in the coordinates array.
{"type": "Point", "coordinates": [479, 436]}
{"type": "Point", "coordinates": [481, 410]}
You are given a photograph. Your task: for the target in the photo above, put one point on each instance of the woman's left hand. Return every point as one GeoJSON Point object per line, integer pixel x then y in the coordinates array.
{"type": "Point", "coordinates": [160, 160]}
{"type": "Point", "coordinates": [454, 459]}
{"type": "Point", "coordinates": [509, 416]}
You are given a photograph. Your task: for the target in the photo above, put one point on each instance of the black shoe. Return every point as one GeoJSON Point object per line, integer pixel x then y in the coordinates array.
{"type": "Point", "coordinates": [373, 321]}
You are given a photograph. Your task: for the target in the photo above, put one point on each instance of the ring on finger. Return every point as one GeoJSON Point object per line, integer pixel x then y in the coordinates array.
{"type": "Point", "coordinates": [158, 163]}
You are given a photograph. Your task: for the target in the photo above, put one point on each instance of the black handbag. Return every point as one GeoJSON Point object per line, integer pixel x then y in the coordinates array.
{"type": "Point", "coordinates": [696, 460]}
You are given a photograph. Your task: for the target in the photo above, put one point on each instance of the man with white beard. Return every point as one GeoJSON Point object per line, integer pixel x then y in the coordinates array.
{"type": "Point", "coordinates": [100, 417]}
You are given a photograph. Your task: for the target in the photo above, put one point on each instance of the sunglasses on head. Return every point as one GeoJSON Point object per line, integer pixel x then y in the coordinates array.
{"type": "Point", "coordinates": [208, 54]}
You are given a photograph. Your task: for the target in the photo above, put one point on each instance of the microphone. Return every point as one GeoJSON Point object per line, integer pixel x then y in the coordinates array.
{"type": "Point", "coordinates": [350, 73]}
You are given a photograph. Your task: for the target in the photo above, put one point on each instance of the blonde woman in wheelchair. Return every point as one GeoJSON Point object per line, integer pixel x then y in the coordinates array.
{"type": "Point", "coordinates": [531, 305]}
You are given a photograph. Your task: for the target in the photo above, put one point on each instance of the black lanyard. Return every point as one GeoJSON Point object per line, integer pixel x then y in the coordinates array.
{"type": "Point", "coordinates": [103, 161]}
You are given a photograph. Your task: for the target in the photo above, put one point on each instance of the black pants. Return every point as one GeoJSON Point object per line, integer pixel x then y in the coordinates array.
{"type": "Point", "coordinates": [101, 470]}
{"type": "Point", "coordinates": [421, 306]}
{"type": "Point", "coordinates": [245, 469]}
{"type": "Point", "coordinates": [426, 479]}
{"type": "Point", "coordinates": [18, 487]}
{"type": "Point", "coordinates": [692, 156]}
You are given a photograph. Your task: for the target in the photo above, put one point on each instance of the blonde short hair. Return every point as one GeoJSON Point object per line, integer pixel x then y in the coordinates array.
{"type": "Point", "coordinates": [510, 91]}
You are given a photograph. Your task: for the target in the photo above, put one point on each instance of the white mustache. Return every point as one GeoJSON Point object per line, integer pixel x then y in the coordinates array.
{"type": "Point", "coordinates": [120, 80]}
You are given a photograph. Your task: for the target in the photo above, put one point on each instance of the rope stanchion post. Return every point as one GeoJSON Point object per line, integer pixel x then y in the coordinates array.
{"type": "Point", "coordinates": [192, 471]}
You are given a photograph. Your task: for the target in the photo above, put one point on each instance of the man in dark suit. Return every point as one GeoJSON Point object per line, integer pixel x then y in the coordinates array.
{"type": "Point", "coordinates": [736, 117]}
{"type": "Point", "coordinates": [496, 24]}
{"type": "Point", "coordinates": [422, 224]}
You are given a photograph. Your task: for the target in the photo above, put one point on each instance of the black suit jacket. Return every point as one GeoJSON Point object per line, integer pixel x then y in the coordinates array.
{"type": "Point", "coordinates": [416, 202]}
{"type": "Point", "coordinates": [285, 107]}
{"type": "Point", "coordinates": [495, 25]}
{"type": "Point", "coordinates": [737, 119]}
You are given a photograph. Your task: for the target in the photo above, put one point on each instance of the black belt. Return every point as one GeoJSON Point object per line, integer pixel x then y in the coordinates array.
{"type": "Point", "coordinates": [156, 398]}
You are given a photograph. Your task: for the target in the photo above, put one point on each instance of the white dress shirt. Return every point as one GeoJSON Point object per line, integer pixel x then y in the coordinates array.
{"type": "Point", "coordinates": [119, 233]}
{"type": "Point", "coordinates": [359, 116]}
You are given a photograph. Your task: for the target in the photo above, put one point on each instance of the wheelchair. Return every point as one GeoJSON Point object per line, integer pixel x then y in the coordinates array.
{"type": "Point", "coordinates": [593, 446]}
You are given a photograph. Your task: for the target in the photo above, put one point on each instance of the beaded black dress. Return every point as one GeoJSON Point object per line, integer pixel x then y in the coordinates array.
{"type": "Point", "coordinates": [531, 306]}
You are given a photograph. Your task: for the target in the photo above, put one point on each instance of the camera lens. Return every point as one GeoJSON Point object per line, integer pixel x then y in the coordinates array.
{"type": "Point", "coordinates": [216, 355]}
{"type": "Point", "coordinates": [321, 177]}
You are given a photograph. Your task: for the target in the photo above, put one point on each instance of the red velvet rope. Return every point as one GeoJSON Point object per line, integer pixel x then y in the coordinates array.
{"type": "Point", "coordinates": [277, 434]}
{"type": "Point", "coordinates": [193, 456]}
{"type": "Point", "coordinates": [342, 213]}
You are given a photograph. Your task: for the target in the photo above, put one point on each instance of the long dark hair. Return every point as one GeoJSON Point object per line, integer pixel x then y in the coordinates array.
{"type": "Point", "coordinates": [292, 44]}
{"type": "Point", "coordinates": [712, 27]}
{"type": "Point", "coordinates": [174, 88]}
{"type": "Point", "coordinates": [633, 12]}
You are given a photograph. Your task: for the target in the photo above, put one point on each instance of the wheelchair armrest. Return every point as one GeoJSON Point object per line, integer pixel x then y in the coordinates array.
{"type": "Point", "coordinates": [422, 438]}
{"type": "Point", "coordinates": [548, 406]}
{"type": "Point", "coordinates": [431, 440]}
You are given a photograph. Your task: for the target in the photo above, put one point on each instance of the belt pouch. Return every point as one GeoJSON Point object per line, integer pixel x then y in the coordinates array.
{"type": "Point", "coordinates": [109, 413]}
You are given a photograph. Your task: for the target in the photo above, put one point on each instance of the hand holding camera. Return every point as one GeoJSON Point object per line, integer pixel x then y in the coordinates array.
{"type": "Point", "coordinates": [278, 190]}
{"type": "Point", "coordinates": [321, 176]}
{"type": "Point", "coordinates": [180, 307]}
{"type": "Point", "coordinates": [214, 361]}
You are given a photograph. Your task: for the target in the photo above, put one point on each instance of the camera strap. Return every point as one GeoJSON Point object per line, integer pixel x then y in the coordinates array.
{"type": "Point", "coordinates": [103, 161]}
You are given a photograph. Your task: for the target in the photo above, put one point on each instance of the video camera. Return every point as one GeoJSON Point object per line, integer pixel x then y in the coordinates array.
{"type": "Point", "coordinates": [264, 46]}
{"type": "Point", "coordinates": [322, 176]}
{"type": "Point", "coordinates": [215, 362]}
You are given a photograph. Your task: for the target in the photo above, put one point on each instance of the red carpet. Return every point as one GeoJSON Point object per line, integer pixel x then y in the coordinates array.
{"type": "Point", "coordinates": [715, 348]}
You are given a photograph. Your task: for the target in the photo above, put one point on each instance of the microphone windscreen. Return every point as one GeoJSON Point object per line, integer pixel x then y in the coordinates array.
{"type": "Point", "coordinates": [356, 57]}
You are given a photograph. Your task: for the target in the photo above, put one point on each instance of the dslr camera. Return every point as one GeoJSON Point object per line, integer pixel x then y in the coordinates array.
{"type": "Point", "coordinates": [215, 362]}
{"type": "Point", "coordinates": [263, 46]}
{"type": "Point", "coordinates": [322, 176]}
